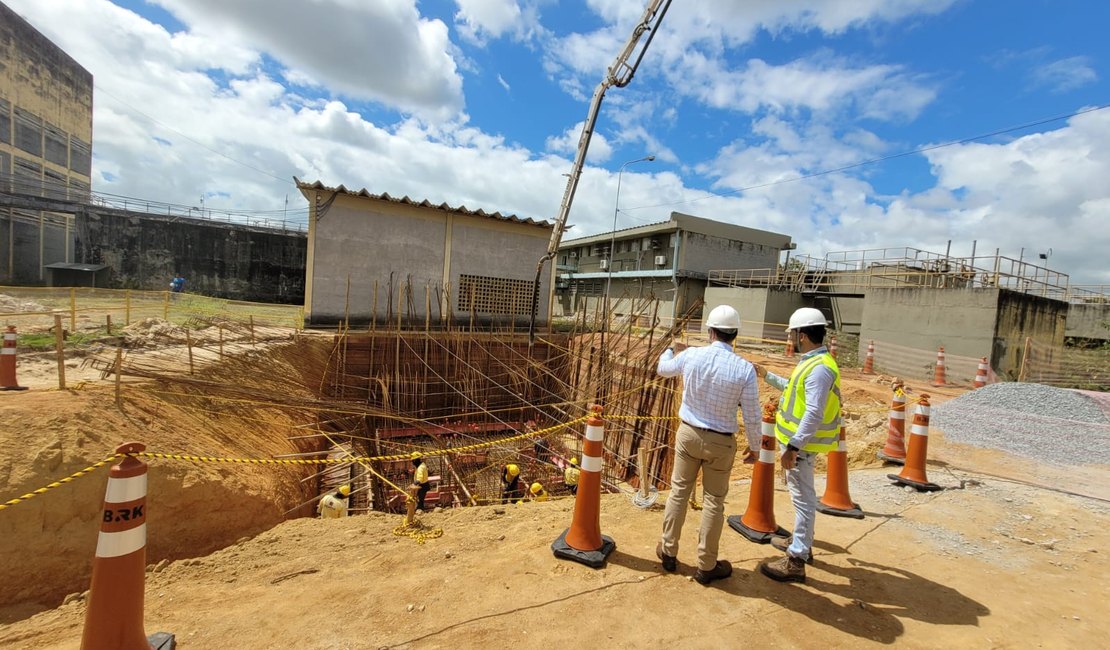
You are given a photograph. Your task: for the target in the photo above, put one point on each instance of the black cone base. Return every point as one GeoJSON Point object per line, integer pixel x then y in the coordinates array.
{"type": "Point", "coordinates": [890, 459]}
{"type": "Point", "coordinates": [757, 536]}
{"type": "Point", "coordinates": [593, 559]}
{"type": "Point", "coordinates": [920, 487]}
{"type": "Point", "coordinates": [854, 512]}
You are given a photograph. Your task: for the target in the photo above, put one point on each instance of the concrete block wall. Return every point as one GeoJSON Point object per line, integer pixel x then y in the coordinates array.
{"type": "Point", "coordinates": [1088, 321]}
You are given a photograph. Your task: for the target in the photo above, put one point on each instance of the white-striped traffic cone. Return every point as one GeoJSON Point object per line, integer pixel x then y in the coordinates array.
{"type": "Point", "coordinates": [114, 616]}
{"type": "Point", "coordinates": [981, 373]}
{"type": "Point", "coordinates": [583, 541]}
{"type": "Point", "coordinates": [7, 361]}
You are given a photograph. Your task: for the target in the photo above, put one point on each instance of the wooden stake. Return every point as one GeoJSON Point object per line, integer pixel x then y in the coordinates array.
{"type": "Point", "coordinates": [1022, 373]}
{"type": "Point", "coordinates": [73, 310]}
{"type": "Point", "coordinates": [108, 324]}
{"type": "Point", "coordinates": [221, 342]}
{"type": "Point", "coordinates": [641, 457]}
{"type": "Point", "coordinates": [59, 347]}
{"type": "Point", "coordinates": [252, 328]}
{"type": "Point", "coordinates": [189, 343]}
{"type": "Point", "coordinates": [119, 367]}
{"type": "Point", "coordinates": [127, 307]}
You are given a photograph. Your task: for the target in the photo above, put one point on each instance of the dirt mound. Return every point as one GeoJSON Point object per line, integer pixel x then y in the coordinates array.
{"type": "Point", "coordinates": [152, 330]}
{"type": "Point", "coordinates": [198, 506]}
{"type": "Point", "coordinates": [12, 305]}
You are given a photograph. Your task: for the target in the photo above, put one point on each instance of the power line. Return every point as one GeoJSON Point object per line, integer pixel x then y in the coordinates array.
{"type": "Point", "coordinates": [873, 161]}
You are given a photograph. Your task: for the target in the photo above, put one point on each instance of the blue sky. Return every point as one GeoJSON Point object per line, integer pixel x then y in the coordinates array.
{"type": "Point", "coordinates": [480, 103]}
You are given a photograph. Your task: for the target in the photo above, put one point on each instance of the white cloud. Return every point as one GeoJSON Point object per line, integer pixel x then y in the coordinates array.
{"type": "Point", "coordinates": [1065, 74]}
{"type": "Point", "coordinates": [504, 84]}
{"type": "Point", "coordinates": [567, 143]}
{"type": "Point", "coordinates": [479, 20]}
{"type": "Point", "coordinates": [382, 50]}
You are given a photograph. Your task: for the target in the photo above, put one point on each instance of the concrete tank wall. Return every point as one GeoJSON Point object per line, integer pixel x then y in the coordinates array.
{"type": "Point", "coordinates": [925, 319]}
{"type": "Point", "coordinates": [1089, 321]}
{"type": "Point", "coordinates": [1022, 316]}
{"type": "Point", "coordinates": [764, 311]}
{"type": "Point", "coordinates": [217, 259]}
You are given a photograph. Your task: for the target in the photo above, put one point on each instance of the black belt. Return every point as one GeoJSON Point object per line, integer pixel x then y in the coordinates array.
{"type": "Point", "coordinates": [720, 433]}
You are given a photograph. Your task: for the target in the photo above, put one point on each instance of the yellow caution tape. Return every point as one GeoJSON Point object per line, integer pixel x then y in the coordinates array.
{"type": "Point", "coordinates": [11, 502]}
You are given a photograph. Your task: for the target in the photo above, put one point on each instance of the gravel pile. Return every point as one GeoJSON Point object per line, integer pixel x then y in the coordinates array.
{"type": "Point", "coordinates": [1050, 424]}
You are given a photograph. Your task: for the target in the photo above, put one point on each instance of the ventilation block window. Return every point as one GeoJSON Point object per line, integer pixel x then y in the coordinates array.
{"type": "Point", "coordinates": [486, 295]}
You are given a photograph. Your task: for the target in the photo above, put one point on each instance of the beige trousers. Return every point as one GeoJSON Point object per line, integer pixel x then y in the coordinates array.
{"type": "Point", "coordinates": [713, 454]}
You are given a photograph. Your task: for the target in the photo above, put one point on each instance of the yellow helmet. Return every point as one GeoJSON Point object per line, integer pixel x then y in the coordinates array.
{"type": "Point", "coordinates": [416, 455]}
{"type": "Point", "coordinates": [512, 470]}
{"type": "Point", "coordinates": [536, 488]}
{"type": "Point", "coordinates": [574, 461]}
{"type": "Point", "coordinates": [345, 490]}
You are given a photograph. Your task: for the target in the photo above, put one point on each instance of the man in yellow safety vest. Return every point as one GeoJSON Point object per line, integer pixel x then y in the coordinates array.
{"type": "Point", "coordinates": [807, 423]}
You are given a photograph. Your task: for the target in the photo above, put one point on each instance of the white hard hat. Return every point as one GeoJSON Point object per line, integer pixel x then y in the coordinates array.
{"type": "Point", "coordinates": [723, 317]}
{"type": "Point", "coordinates": [806, 317]}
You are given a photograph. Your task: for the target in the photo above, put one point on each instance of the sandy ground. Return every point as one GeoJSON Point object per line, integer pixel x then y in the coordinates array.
{"type": "Point", "coordinates": [1013, 555]}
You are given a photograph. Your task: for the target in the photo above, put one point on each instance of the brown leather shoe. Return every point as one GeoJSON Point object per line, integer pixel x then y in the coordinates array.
{"type": "Point", "coordinates": [719, 572]}
{"type": "Point", "coordinates": [670, 562]}
{"type": "Point", "coordinates": [784, 569]}
{"type": "Point", "coordinates": [782, 543]}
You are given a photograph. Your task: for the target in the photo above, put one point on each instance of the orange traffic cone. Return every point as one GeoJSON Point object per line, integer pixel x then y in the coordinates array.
{"type": "Point", "coordinates": [789, 347]}
{"type": "Point", "coordinates": [869, 361]}
{"type": "Point", "coordinates": [7, 362]}
{"type": "Point", "coordinates": [583, 541]}
{"type": "Point", "coordinates": [758, 523]}
{"type": "Point", "coordinates": [832, 347]}
{"type": "Point", "coordinates": [895, 449]}
{"type": "Point", "coordinates": [981, 373]}
{"type": "Point", "coordinates": [837, 501]}
{"type": "Point", "coordinates": [114, 616]}
{"type": "Point", "coordinates": [938, 373]}
{"type": "Point", "coordinates": [913, 474]}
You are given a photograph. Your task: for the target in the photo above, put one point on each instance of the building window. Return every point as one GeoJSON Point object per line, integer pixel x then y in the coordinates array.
{"type": "Point", "coordinates": [57, 146]}
{"type": "Point", "coordinates": [80, 156]}
{"type": "Point", "coordinates": [5, 122]}
{"type": "Point", "coordinates": [26, 177]}
{"type": "Point", "coordinates": [503, 296]}
{"type": "Point", "coordinates": [28, 132]}
{"type": "Point", "coordinates": [79, 190]}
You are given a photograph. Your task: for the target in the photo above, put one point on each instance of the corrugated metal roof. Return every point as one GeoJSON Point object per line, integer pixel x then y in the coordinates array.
{"type": "Point", "coordinates": [462, 209]}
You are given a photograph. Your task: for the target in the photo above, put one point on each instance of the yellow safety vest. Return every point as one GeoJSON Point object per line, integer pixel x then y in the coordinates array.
{"type": "Point", "coordinates": [792, 406]}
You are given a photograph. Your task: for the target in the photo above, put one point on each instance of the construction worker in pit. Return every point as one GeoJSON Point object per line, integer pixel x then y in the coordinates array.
{"type": "Point", "coordinates": [512, 490]}
{"type": "Point", "coordinates": [571, 475]}
{"type": "Point", "coordinates": [714, 381]}
{"type": "Point", "coordinates": [807, 423]}
{"type": "Point", "coordinates": [420, 481]}
{"type": "Point", "coordinates": [538, 493]}
{"type": "Point", "coordinates": [334, 505]}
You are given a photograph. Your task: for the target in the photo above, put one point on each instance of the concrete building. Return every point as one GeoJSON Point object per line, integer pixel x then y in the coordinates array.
{"type": "Point", "coordinates": [669, 261]}
{"type": "Point", "coordinates": [373, 256]}
{"type": "Point", "coordinates": [46, 101]}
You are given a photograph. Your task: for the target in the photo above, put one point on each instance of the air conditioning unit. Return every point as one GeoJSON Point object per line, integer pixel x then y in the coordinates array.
{"type": "Point", "coordinates": [572, 255]}
{"type": "Point", "coordinates": [660, 260]}
{"type": "Point", "coordinates": [604, 265]}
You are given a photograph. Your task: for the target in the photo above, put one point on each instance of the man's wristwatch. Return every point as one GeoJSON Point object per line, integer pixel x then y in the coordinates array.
{"type": "Point", "coordinates": [791, 447]}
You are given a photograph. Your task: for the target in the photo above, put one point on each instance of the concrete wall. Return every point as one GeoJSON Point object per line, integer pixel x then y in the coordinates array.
{"type": "Point", "coordinates": [763, 311]}
{"type": "Point", "coordinates": [397, 247]}
{"type": "Point", "coordinates": [969, 323]}
{"type": "Point", "coordinates": [1088, 321]}
{"type": "Point", "coordinates": [29, 240]}
{"type": "Point", "coordinates": [703, 253]}
{"type": "Point", "coordinates": [216, 259]}
{"type": "Point", "coordinates": [961, 321]}
{"type": "Point", "coordinates": [1020, 316]}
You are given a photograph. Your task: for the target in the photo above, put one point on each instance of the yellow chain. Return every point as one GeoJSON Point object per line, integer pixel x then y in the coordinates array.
{"type": "Point", "coordinates": [417, 531]}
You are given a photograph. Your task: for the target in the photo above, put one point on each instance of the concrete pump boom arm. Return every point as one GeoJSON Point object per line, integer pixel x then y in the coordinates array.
{"type": "Point", "coordinates": [619, 74]}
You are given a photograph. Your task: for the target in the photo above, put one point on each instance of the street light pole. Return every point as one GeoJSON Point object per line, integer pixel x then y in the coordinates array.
{"type": "Point", "coordinates": [613, 235]}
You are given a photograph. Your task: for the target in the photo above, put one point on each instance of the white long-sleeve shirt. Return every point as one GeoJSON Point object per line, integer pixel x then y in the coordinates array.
{"type": "Point", "coordinates": [818, 383]}
{"type": "Point", "coordinates": [714, 381]}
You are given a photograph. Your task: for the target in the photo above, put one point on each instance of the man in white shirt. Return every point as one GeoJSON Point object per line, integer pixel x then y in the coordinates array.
{"type": "Point", "coordinates": [714, 381]}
